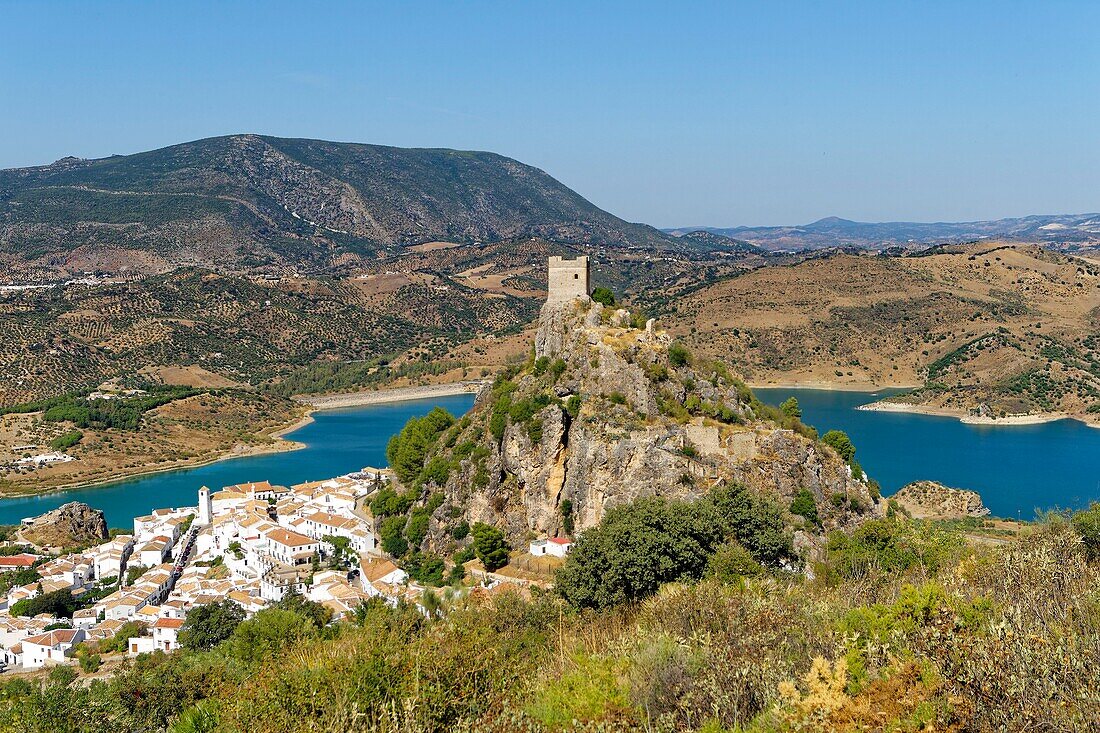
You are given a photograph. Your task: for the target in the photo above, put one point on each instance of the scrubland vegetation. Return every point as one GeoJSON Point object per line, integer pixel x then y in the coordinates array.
{"type": "Point", "coordinates": [902, 627]}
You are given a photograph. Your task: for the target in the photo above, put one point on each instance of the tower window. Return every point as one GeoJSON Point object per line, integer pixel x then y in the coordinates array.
{"type": "Point", "coordinates": [576, 276]}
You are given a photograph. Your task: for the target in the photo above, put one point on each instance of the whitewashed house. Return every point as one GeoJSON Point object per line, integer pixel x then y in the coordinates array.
{"type": "Point", "coordinates": [290, 548]}
{"type": "Point", "coordinates": [553, 546]}
{"type": "Point", "coordinates": [50, 647]}
{"type": "Point", "coordinates": [166, 633]}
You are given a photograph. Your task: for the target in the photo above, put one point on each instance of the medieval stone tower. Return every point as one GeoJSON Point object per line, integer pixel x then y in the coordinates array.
{"type": "Point", "coordinates": [568, 279]}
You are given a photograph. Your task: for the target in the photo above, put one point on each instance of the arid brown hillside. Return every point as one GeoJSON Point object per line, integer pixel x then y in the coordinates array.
{"type": "Point", "coordinates": [247, 331]}
{"type": "Point", "coordinates": [1012, 328]}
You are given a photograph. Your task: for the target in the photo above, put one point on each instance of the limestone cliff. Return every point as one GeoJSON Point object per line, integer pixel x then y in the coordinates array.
{"type": "Point", "coordinates": [606, 413]}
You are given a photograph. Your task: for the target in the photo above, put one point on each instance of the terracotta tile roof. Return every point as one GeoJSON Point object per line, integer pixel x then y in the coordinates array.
{"type": "Point", "coordinates": [22, 560]}
{"type": "Point", "coordinates": [288, 538]}
{"type": "Point", "coordinates": [375, 569]}
{"type": "Point", "coordinates": [332, 520]}
{"type": "Point", "coordinates": [249, 487]}
{"type": "Point", "coordinates": [168, 623]}
{"type": "Point", "coordinates": [52, 638]}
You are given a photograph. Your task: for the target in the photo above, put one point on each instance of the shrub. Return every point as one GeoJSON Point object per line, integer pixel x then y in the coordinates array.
{"type": "Point", "coordinates": [603, 295]}
{"type": "Point", "coordinates": [407, 450]}
{"type": "Point", "coordinates": [90, 663]}
{"type": "Point", "coordinates": [133, 572]}
{"type": "Point", "coordinates": [66, 440]}
{"type": "Point", "coordinates": [790, 408]}
{"type": "Point", "coordinates": [805, 505]}
{"type": "Point", "coordinates": [635, 549]}
{"type": "Point", "coordinates": [388, 502]}
{"type": "Point", "coordinates": [839, 441]}
{"type": "Point", "coordinates": [58, 603]}
{"type": "Point", "coordinates": [425, 568]}
{"type": "Point", "coordinates": [754, 520]}
{"type": "Point", "coordinates": [418, 526]}
{"type": "Point", "coordinates": [460, 531]}
{"type": "Point", "coordinates": [1087, 524]}
{"type": "Point", "coordinates": [883, 548]}
{"type": "Point", "coordinates": [678, 355]}
{"type": "Point", "coordinates": [62, 675]}
{"type": "Point", "coordinates": [392, 535]}
{"type": "Point", "coordinates": [436, 471]}
{"type": "Point", "coordinates": [267, 633]}
{"type": "Point", "coordinates": [731, 562]}
{"type": "Point", "coordinates": [567, 516]}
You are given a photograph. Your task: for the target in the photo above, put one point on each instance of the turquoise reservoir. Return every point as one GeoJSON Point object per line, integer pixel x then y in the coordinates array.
{"type": "Point", "coordinates": [1017, 469]}
{"type": "Point", "coordinates": [337, 442]}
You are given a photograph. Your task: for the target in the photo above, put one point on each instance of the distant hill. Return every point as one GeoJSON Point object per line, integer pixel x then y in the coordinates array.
{"type": "Point", "coordinates": [713, 241]}
{"type": "Point", "coordinates": [1069, 230]}
{"type": "Point", "coordinates": [250, 201]}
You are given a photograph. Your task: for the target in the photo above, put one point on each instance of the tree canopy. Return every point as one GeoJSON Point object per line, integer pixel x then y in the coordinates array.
{"type": "Point", "coordinates": [490, 546]}
{"type": "Point", "coordinates": [207, 626]}
{"type": "Point", "coordinates": [407, 450]}
{"type": "Point", "coordinates": [600, 294]}
{"type": "Point", "coordinates": [639, 546]}
{"type": "Point", "coordinates": [839, 441]}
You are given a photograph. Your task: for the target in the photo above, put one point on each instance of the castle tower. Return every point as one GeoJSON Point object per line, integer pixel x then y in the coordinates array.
{"type": "Point", "coordinates": [206, 507]}
{"type": "Point", "coordinates": [568, 279]}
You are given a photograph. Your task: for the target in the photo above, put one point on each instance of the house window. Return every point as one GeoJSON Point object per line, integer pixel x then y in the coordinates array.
{"type": "Point", "coordinates": [576, 276]}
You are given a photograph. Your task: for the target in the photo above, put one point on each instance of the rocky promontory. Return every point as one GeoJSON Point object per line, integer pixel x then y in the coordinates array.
{"type": "Point", "coordinates": [70, 524]}
{"type": "Point", "coordinates": [932, 500]}
{"type": "Point", "coordinates": [605, 413]}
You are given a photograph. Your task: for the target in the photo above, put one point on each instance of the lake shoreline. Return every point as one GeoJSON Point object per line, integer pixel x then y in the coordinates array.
{"type": "Point", "coordinates": [280, 443]}
{"type": "Point", "coordinates": [968, 419]}
{"type": "Point", "coordinates": [338, 400]}
{"type": "Point", "coordinates": [866, 387]}
{"type": "Point", "coordinates": [997, 460]}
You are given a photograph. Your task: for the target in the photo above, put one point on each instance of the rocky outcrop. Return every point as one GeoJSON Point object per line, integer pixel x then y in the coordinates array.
{"type": "Point", "coordinates": [932, 500]}
{"type": "Point", "coordinates": [619, 421]}
{"type": "Point", "coordinates": [70, 524]}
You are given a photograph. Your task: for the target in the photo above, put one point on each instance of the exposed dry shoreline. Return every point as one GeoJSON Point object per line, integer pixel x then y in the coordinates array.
{"type": "Point", "coordinates": [888, 406]}
{"type": "Point", "coordinates": [1010, 420]}
{"type": "Point", "coordinates": [386, 396]}
{"type": "Point", "coordinates": [280, 444]}
{"type": "Point", "coordinates": [831, 386]}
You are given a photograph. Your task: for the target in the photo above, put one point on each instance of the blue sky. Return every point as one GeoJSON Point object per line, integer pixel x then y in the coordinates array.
{"type": "Point", "coordinates": [669, 113]}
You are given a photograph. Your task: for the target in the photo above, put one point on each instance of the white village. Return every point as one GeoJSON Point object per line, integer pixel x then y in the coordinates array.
{"type": "Point", "coordinates": [252, 543]}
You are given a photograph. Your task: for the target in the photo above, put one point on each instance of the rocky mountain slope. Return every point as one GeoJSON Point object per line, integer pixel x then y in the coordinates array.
{"type": "Point", "coordinates": [605, 413]}
{"type": "Point", "coordinates": [251, 201]}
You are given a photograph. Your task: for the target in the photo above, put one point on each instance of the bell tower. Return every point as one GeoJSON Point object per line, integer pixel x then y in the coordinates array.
{"type": "Point", "coordinates": [206, 507]}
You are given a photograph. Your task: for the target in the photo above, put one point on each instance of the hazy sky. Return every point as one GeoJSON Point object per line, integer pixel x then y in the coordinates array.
{"type": "Point", "coordinates": [673, 113]}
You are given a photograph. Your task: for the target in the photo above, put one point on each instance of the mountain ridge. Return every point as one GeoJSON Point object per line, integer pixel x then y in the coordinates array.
{"type": "Point", "coordinates": [255, 202]}
{"type": "Point", "coordinates": [1068, 230]}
